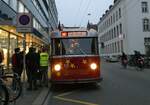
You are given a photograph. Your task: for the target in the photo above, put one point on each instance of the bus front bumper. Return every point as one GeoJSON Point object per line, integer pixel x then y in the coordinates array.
{"type": "Point", "coordinates": [77, 81]}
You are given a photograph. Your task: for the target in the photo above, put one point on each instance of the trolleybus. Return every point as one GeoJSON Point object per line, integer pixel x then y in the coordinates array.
{"type": "Point", "coordinates": [75, 58]}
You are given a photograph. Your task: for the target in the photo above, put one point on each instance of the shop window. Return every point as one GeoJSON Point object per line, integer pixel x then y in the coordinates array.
{"type": "Point", "coordinates": [4, 44]}
{"type": "Point", "coordinates": [20, 42]}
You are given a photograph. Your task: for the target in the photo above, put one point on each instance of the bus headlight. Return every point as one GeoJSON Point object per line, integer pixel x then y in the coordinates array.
{"type": "Point", "coordinates": [93, 66]}
{"type": "Point", "coordinates": [57, 67]}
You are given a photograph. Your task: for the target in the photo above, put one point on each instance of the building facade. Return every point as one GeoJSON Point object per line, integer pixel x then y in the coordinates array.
{"type": "Point", "coordinates": [45, 19]}
{"type": "Point", "coordinates": [125, 26]}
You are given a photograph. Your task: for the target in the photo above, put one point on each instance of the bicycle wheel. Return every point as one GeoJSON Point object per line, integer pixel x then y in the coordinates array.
{"type": "Point", "coordinates": [4, 95]}
{"type": "Point", "coordinates": [14, 87]}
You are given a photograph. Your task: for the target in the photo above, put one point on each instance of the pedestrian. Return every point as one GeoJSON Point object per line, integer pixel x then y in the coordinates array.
{"type": "Point", "coordinates": [123, 57]}
{"type": "Point", "coordinates": [31, 68]}
{"type": "Point", "coordinates": [44, 62]}
{"type": "Point", "coordinates": [137, 55]}
{"type": "Point", "coordinates": [124, 60]}
{"type": "Point", "coordinates": [17, 62]}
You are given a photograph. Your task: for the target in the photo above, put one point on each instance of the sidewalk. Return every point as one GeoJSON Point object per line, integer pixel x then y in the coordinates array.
{"type": "Point", "coordinates": [34, 97]}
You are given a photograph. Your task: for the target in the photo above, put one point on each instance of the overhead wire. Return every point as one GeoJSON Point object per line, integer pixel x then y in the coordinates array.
{"type": "Point", "coordinates": [78, 10]}
{"type": "Point", "coordinates": [59, 12]}
{"type": "Point", "coordinates": [86, 9]}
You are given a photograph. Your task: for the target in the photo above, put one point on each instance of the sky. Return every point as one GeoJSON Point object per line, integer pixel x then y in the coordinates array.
{"type": "Point", "coordinates": [78, 12]}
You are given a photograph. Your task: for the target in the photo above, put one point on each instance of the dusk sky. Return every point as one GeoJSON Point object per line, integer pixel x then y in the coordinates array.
{"type": "Point", "coordinates": [78, 12]}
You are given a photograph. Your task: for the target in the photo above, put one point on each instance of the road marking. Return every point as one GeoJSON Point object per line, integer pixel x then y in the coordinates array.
{"type": "Point", "coordinates": [74, 101]}
{"type": "Point", "coordinates": [64, 94]}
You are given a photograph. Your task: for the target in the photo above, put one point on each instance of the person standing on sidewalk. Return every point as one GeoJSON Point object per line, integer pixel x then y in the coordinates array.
{"type": "Point", "coordinates": [44, 61]}
{"type": "Point", "coordinates": [17, 62]}
{"type": "Point", "coordinates": [31, 68]}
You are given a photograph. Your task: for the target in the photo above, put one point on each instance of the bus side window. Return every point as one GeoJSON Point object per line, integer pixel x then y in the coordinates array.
{"type": "Point", "coordinates": [57, 47]}
{"type": "Point", "coordinates": [63, 49]}
{"type": "Point", "coordinates": [93, 46]}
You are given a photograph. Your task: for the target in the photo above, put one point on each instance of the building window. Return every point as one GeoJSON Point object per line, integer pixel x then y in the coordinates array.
{"type": "Point", "coordinates": [119, 12]}
{"type": "Point", "coordinates": [114, 32]}
{"type": "Point", "coordinates": [121, 45]}
{"type": "Point", "coordinates": [120, 28]}
{"type": "Point", "coordinates": [146, 25]}
{"type": "Point", "coordinates": [114, 18]}
{"type": "Point", "coordinates": [118, 47]}
{"type": "Point", "coordinates": [144, 7]}
{"type": "Point", "coordinates": [116, 15]}
{"type": "Point", "coordinates": [117, 30]}
{"type": "Point", "coordinates": [111, 20]}
{"type": "Point", "coordinates": [115, 47]}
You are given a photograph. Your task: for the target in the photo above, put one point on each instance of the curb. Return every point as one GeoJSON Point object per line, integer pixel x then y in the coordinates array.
{"type": "Point", "coordinates": [41, 98]}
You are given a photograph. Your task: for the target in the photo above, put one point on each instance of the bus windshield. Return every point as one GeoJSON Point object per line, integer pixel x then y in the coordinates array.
{"type": "Point", "coordinates": [75, 46]}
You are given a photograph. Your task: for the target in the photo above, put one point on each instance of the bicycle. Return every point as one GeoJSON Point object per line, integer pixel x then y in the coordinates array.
{"type": "Point", "coordinates": [4, 95]}
{"type": "Point", "coordinates": [13, 85]}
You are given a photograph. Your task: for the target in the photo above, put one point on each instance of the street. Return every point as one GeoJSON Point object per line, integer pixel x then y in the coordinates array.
{"type": "Point", "coordinates": [119, 87]}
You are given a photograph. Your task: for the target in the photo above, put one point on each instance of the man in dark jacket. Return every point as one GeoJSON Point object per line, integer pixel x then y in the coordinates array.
{"type": "Point", "coordinates": [31, 68]}
{"type": "Point", "coordinates": [17, 62]}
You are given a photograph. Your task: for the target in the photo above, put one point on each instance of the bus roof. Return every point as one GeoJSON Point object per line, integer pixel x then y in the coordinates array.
{"type": "Point", "coordinates": [69, 37]}
{"type": "Point", "coordinates": [72, 34]}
